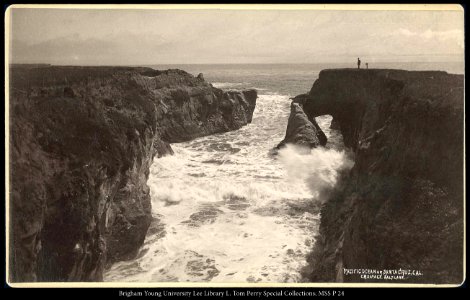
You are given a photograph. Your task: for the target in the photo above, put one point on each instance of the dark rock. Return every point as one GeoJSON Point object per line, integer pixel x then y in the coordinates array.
{"type": "Point", "coordinates": [204, 110]}
{"type": "Point", "coordinates": [401, 206]}
{"type": "Point", "coordinates": [300, 130]}
{"type": "Point", "coordinates": [68, 92]}
{"type": "Point", "coordinates": [334, 124]}
{"type": "Point", "coordinates": [82, 140]}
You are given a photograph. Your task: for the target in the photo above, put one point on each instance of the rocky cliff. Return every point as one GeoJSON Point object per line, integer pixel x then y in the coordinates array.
{"type": "Point", "coordinates": [301, 129]}
{"type": "Point", "coordinates": [401, 205]}
{"type": "Point", "coordinates": [81, 143]}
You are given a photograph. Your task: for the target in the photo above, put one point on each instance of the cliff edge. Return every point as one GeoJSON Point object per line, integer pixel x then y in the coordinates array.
{"type": "Point", "coordinates": [401, 205]}
{"type": "Point", "coordinates": [82, 140]}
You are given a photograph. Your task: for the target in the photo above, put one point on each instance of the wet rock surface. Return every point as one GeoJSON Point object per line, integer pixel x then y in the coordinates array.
{"type": "Point", "coordinates": [82, 140]}
{"type": "Point", "coordinates": [401, 205]}
{"type": "Point", "coordinates": [301, 130]}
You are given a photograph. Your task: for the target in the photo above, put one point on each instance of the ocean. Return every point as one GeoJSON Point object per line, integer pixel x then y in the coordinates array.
{"type": "Point", "coordinates": [225, 208]}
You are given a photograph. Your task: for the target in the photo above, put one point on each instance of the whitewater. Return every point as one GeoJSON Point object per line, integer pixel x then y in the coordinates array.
{"type": "Point", "coordinates": [225, 208]}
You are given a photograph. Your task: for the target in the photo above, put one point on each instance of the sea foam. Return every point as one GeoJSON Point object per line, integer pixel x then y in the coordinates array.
{"type": "Point", "coordinates": [228, 211]}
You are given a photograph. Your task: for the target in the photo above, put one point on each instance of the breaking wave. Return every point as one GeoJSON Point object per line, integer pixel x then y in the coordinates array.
{"type": "Point", "coordinates": [226, 210]}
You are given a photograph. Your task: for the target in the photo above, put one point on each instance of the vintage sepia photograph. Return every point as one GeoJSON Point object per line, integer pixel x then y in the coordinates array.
{"type": "Point", "coordinates": [234, 145]}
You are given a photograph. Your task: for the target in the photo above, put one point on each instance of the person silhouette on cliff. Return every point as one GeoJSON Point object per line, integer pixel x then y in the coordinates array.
{"type": "Point", "coordinates": [367, 65]}
{"type": "Point", "coordinates": [358, 63]}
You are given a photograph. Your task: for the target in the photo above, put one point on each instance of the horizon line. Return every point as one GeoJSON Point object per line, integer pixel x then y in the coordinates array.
{"type": "Point", "coordinates": [228, 63]}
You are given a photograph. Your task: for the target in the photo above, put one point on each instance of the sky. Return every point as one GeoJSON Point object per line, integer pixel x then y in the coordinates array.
{"type": "Point", "coordinates": [156, 36]}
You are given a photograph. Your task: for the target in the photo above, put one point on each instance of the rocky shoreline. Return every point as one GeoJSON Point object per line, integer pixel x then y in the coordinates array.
{"type": "Point", "coordinates": [82, 140]}
{"type": "Point", "coordinates": [401, 205]}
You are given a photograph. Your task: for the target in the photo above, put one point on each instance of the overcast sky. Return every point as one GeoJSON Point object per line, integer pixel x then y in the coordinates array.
{"type": "Point", "coordinates": [130, 37]}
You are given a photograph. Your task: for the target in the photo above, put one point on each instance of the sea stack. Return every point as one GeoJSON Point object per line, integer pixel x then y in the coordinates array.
{"type": "Point", "coordinates": [401, 205]}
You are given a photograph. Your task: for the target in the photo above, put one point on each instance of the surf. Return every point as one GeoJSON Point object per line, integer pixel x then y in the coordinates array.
{"type": "Point", "coordinates": [226, 210]}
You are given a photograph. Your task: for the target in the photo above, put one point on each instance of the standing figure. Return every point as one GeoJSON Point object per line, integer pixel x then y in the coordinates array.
{"type": "Point", "coordinates": [367, 65]}
{"type": "Point", "coordinates": [358, 63]}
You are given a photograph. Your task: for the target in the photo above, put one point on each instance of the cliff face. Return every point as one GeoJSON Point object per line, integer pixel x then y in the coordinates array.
{"type": "Point", "coordinates": [81, 143]}
{"type": "Point", "coordinates": [196, 109]}
{"type": "Point", "coordinates": [401, 205]}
